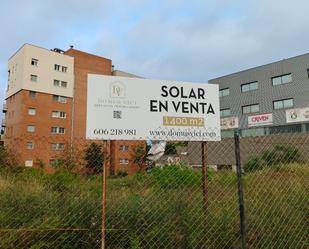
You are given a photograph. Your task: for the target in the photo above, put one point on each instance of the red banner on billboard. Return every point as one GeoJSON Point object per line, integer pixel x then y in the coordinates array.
{"type": "Point", "coordinates": [260, 119]}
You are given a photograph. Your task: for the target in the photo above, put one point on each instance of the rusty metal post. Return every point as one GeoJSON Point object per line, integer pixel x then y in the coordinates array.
{"type": "Point", "coordinates": [104, 168]}
{"type": "Point", "coordinates": [240, 192]}
{"type": "Point", "coordinates": [204, 177]}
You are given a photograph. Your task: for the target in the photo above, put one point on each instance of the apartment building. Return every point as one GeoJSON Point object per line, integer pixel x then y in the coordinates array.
{"type": "Point", "coordinates": [45, 107]}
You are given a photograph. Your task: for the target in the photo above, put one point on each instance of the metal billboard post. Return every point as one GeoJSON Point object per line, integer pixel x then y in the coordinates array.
{"type": "Point", "coordinates": [204, 177]}
{"type": "Point", "coordinates": [240, 191]}
{"type": "Point", "coordinates": [104, 174]}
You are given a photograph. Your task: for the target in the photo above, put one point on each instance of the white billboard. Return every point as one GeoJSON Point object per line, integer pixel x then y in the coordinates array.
{"type": "Point", "coordinates": [120, 108]}
{"type": "Point", "coordinates": [229, 123]}
{"type": "Point", "coordinates": [297, 115]}
{"type": "Point", "coordinates": [260, 119]}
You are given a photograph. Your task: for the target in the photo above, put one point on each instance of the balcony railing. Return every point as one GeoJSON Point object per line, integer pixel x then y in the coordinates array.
{"type": "Point", "coordinates": [3, 122]}
{"type": "Point", "coordinates": [4, 107]}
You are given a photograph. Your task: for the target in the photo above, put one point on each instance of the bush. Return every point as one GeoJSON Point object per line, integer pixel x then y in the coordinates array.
{"type": "Point", "coordinates": [62, 180]}
{"type": "Point", "coordinates": [122, 174]}
{"type": "Point", "coordinates": [177, 176]}
{"type": "Point", "coordinates": [280, 154]}
{"type": "Point", "coordinates": [255, 163]}
{"type": "Point", "coordinates": [64, 163]}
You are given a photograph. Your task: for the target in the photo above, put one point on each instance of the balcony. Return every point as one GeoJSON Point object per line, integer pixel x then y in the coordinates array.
{"type": "Point", "coordinates": [3, 122]}
{"type": "Point", "coordinates": [4, 107]}
{"type": "Point", "coordinates": [1, 140]}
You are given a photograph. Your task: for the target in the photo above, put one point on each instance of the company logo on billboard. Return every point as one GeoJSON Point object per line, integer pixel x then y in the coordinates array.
{"type": "Point", "coordinates": [293, 115]}
{"type": "Point", "coordinates": [260, 119]}
{"type": "Point", "coordinates": [117, 90]}
{"type": "Point", "coordinates": [297, 115]}
{"type": "Point", "coordinates": [229, 123]}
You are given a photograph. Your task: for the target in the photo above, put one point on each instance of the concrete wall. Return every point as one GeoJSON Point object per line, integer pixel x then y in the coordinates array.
{"type": "Point", "coordinates": [124, 74]}
{"type": "Point", "coordinates": [21, 70]}
{"type": "Point", "coordinates": [223, 152]}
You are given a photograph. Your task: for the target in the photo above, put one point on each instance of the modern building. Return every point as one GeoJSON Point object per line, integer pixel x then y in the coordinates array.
{"type": "Point", "coordinates": [265, 100]}
{"type": "Point", "coordinates": [268, 104]}
{"type": "Point", "coordinates": [45, 106]}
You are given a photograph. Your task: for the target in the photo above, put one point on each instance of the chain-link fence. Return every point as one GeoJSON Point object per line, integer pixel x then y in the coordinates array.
{"type": "Point", "coordinates": [249, 192]}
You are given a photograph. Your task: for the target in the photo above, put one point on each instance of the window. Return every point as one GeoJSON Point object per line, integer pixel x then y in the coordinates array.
{"type": "Point", "coordinates": [57, 146]}
{"type": "Point", "coordinates": [32, 94]}
{"type": "Point", "coordinates": [249, 86]}
{"type": "Point", "coordinates": [123, 147]}
{"type": "Point", "coordinates": [56, 82]}
{"type": "Point", "coordinates": [30, 128]}
{"type": "Point", "coordinates": [282, 79]}
{"type": "Point", "coordinates": [34, 62]}
{"type": "Point", "coordinates": [33, 78]}
{"type": "Point", "coordinates": [9, 75]}
{"type": "Point", "coordinates": [60, 68]}
{"type": "Point", "coordinates": [308, 73]}
{"type": "Point", "coordinates": [31, 111]}
{"type": "Point", "coordinates": [57, 130]}
{"type": "Point", "coordinates": [64, 69]}
{"type": "Point", "coordinates": [283, 104]}
{"type": "Point", "coordinates": [253, 132]}
{"type": "Point", "coordinates": [250, 108]}
{"type": "Point", "coordinates": [64, 84]}
{"type": "Point", "coordinates": [285, 129]}
{"type": "Point", "coordinates": [57, 114]}
{"type": "Point", "coordinates": [224, 92]}
{"type": "Point", "coordinates": [30, 145]}
{"type": "Point", "coordinates": [28, 163]}
{"type": "Point", "coordinates": [124, 161]}
{"type": "Point", "coordinates": [225, 112]}
{"type": "Point", "coordinates": [227, 133]}
{"type": "Point", "coordinates": [59, 99]}
{"type": "Point", "coordinates": [57, 67]}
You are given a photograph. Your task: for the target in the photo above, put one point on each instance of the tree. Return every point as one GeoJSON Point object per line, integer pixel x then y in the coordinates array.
{"type": "Point", "coordinates": [170, 148]}
{"type": "Point", "coordinates": [140, 155]}
{"type": "Point", "coordinates": [7, 158]}
{"type": "Point", "coordinates": [94, 157]}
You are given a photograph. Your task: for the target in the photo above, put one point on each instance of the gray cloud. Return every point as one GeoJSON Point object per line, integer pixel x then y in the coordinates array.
{"type": "Point", "coordinates": [214, 40]}
{"type": "Point", "coordinates": [192, 41]}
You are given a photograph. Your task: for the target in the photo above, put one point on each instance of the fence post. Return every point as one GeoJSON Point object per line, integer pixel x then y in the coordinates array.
{"type": "Point", "coordinates": [104, 169]}
{"type": "Point", "coordinates": [240, 190]}
{"type": "Point", "coordinates": [204, 177]}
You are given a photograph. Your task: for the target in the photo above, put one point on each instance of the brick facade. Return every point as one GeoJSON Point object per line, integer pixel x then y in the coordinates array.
{"type": "Point", "coordinates": [43, 104]}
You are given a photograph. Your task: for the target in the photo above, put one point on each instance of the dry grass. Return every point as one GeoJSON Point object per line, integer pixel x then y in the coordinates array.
{"type": "Point", "coordinates": [163, 209]}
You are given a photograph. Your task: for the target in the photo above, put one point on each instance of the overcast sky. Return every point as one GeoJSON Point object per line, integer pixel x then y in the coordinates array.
{"type": "Point", "coordinates": [181, 40]}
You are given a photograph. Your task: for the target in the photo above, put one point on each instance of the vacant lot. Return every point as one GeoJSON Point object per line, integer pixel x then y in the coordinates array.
{"type": "Point", "coordinates": [161, 209]}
